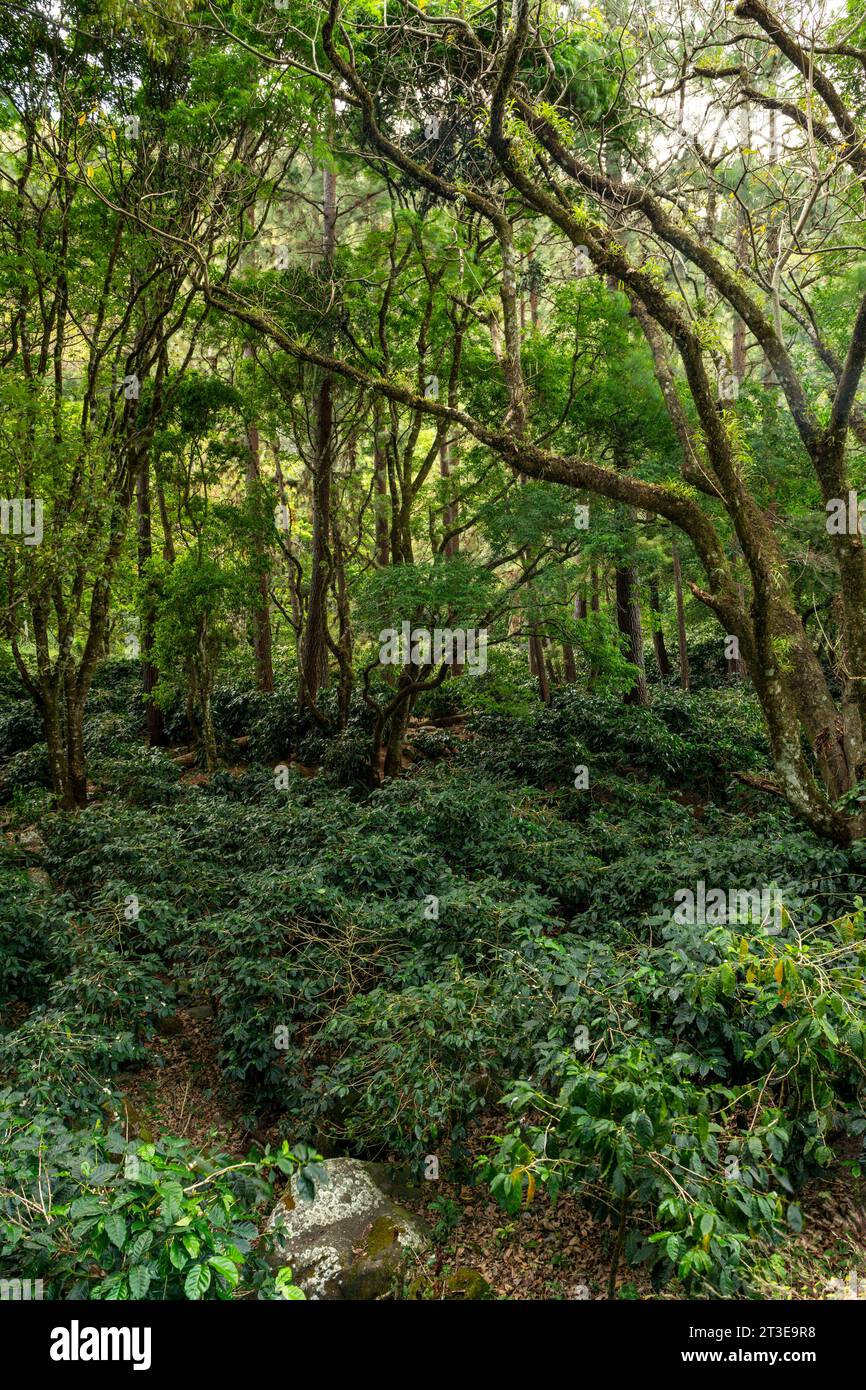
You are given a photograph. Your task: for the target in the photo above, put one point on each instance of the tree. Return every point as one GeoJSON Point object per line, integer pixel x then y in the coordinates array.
{"type": "Point", "coordinates": [540, 137]}
{"type": "Point", "coordinates": [112, 158]}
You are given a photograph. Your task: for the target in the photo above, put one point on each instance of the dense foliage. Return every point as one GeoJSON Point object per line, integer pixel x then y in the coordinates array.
{"type": "Point", "coordinates": [433, 626]}
{"type": "Point", "coordinates": [688, 1077]}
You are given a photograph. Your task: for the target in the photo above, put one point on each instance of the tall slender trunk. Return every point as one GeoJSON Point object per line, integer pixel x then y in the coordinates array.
{"type": "Point", "coordinates": [314, 656]}
{"type": "Point", "coordinates": [149, 673]}
{"type": "Point", "coordinates": [76, 762]}
{"type": "Point", "coordinates": [315, 647]}
{"type": "Point", "coordinates": [262, 636]}
{"type": "Point", "coordinates": [741, 249]}
{"type": "Point", "coordinates": [738, 335]}
{"type": "Point", "coordinates": [380, 465]}
{"type": "Point", "coordinates": [53, 723]}
{"type": "Point", "coordinates": [773, 241]}
{"type": "Point", "coordinates": [168, 551]}
{"type": "Point", "coordinates": [449, 514]}
{"type": "Point", "coordinates": [662, 658]}
{"type": "Point", "coordinates": [685, 679]}
{"type": "Point", "coordinates": [629, 623]}
{"type": "Point", "coordinates": [344, 641]}
{"type": "Point", "coordinates": [289, 551]}
{"type": "Point", "coordinates": [538, 667]}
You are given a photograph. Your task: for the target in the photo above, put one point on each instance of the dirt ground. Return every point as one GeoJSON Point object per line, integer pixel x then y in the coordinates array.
{"type": "Point", "coordinates": [545, 1251]}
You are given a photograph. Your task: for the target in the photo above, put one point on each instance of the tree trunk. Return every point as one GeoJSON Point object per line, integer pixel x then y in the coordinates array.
{"type": "Point", "coordinates": [449, 514]}
{"type": "Point", "coordinates": [538, 667]}
{"type": "Point", "coordinates": [56, 744]}
{"type": "Point", "coordinates": [149, 673]}
{"type": "Point", "coordinates": [262, 637]}
{"type": "Point", "coordinates": [383, 554]}
{"type": "Point", "coordinates": [314, 657]}
{"type": "Point", "coordinates": [685, 679]}
{"type": "Point", "coordinates": [396, 738]}
{"type": "Point", "coordinates": [344, 643]}
{"type": "Point", "coordinates": [76, 763]}
{"type": "Point", "coordinates": [738, 341]}
{"type": "Point", "coordinates": [208, 732]}
{"type": "Point", "coordinates": [662, 658]}
{"type": "Point", "coordinates": [629, 623]}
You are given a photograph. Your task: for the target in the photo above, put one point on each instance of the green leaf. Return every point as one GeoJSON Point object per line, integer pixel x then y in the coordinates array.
{"type": "Point", "coordinates": [139, 1245]}
{"type": "Point", "coordinates": [197, 1281]}
{"type": "Point", "coordinates": [85, 1206]}
{"type": "Point", "coordinates": [643, 1128]}
{"type": "Point", "coordinates": [227, 1268]}
{"type": "Point", "coordinates": [115, 1228]}
{"type": "Point", "coordinates": [284, 1284]}
{"type": "Point", "coordinates": [795, 1218]}
{"type": "Point", "coordinates": [101, 1173]}
{"type": "Point", "coordinates": [139, 1281]}
{"type": "Point", "coordinates": [306, 1186]}
{"type": "Point", "coordinates": [177, 1254]}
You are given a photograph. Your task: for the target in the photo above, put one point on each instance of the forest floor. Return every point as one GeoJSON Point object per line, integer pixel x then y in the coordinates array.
{"type": "Point", "coordinates": [306, 903]}
{"type": "Point", "coordinates": [545, 1251]}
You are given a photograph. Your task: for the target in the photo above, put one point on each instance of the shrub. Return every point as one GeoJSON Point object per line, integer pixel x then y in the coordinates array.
{"type": "Point", "coordinates": [274, 728]}
{"type": "Point", "coordinates": [25, 771]}
{"type": "Point", "coordinates": [346, 760]}
{"type": "Point", "coordinates": [706, 1098]}
{"type": "Point", "coordinates": [20, 727]}
{"type": "Point", "coordinates": [407, 1069]}
{"type": "Point", "coordinates": [24, 954]}
{"type": "Point", "coordinates": [98, 1216]}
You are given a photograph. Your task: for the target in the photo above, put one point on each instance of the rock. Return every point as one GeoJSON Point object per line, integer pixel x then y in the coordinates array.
{"type": "Point", "coordinates": [200, 1010]}
{"type": "Point", "coordinates": [467, 1284]}
{"type": "Point", "coordinates": [124, 1112]}
{"type": "Point", "coordinates": [39, 877]}
{"type": "Point", "coordinates": [168, 1026]}
{"type": "Point", "coordinates": [31, 841]}
{"type": "Point", "coordinates": [351, 1241]}
{"type": "Point", "coordinates": [461, 1285]}
{"type": "Point", "coordinates": [397, 1182]}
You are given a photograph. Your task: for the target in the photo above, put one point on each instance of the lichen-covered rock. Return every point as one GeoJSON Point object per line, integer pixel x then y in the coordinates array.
{"type": "Point", "coordinates": [351, 1241]}
{"type": "Point", "coordinates": [467, 1284]}
{"type": "Point", "coordinates": [461, 1285]}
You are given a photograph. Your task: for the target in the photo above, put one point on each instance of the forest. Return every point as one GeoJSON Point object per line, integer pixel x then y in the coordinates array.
{"type": "Point", "coordinates": [432, 650]}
